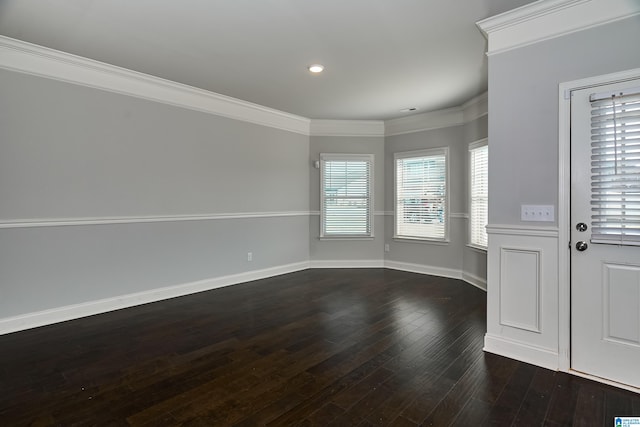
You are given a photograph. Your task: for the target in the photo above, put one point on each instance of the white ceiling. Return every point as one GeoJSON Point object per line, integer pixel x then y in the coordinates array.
{"type": "Point", "coordinates": [380, 56]}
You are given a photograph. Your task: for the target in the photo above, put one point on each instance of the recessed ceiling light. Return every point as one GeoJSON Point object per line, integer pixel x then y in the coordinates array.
{"type": "Point", "coordinates": [408, 110]}
{"type": "Point", "coordinates": [316, 68]}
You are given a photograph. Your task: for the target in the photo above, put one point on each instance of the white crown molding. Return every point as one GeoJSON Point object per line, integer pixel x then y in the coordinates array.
{"type": "Point", "coordinates": [469, 111]}
{"type": "Point", "coordinates": [347, 128]}
{"type": "Point", "coordinates": [475, 108]}
{"type": "Point", "coordinates": [425, 121]}
{"type": "Point", "coordinates": [547, 19]}
{"type": "Point", "coordinates": [62, 222]}
{"type": "Point", "coordinates": [20, 56]}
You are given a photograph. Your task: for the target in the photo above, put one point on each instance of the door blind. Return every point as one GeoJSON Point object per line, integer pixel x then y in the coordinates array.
{"type": "Point", "coordinates": [615, 168]}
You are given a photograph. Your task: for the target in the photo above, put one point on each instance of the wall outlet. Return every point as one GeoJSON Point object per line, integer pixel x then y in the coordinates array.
{"type": "Point", "coordinates": [386, 247]}
{"type": "Point", "coordinates": [249, 256]}
{"type": "Point", "coordinates": [537, 213]}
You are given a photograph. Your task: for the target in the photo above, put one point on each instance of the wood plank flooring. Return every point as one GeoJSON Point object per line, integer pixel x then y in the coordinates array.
{"type": "Point", "coordinates": [348, 347]}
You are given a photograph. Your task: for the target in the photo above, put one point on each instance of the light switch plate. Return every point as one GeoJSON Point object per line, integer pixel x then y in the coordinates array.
{"type": "Point", "coordinates": [537, 213]}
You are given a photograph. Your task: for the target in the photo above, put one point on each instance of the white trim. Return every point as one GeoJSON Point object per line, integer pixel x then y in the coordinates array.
{"type": "Point", "coordinates": [343, 237]}
{"type": "Point", "coordinates": [90, 308]}
{"type": "Point", "coordinates": [605, 381]}
{"type": "Point", "coordinates": [20, 56]}
{"type": "Point", "coordinates": [60, 222]}
{"type": "Point", "coordinates": [474, 280]}
{"type": "Point", "coordinates": [547, 19]}
{"type": "Point", "coordinates": [477, 248]}
{"type": "Point", "coordinates": [564, 206]}
{"type": "Point", "coordinates": [469, 111]}
{"type": "Point", "coordinates": [539, 356]}
{"type": "Point", "coordinates": [430, 270]}
{"type": "Point", "coordinates": [75, 311]}
{"type": "Point", "coordinates": [479, 143]}
{"type": "Point", "coordinates": [427, 121]}
{"type": "Point", "coordinates": [475, 108]}
{"type": "Point", "coordinates": [420, 240]}
{"type": "Point", "coordinates": [459, 215]}
{"type": "Point", "coordinates": [375, 213]}
{"type": "Point", "coordinates": [564, 237]}
{"type": "Point", "coordinates": [347, 128]}
{"type": "Point", "coordinates": [357, 263]}
{"type": "Point", "coordinates": [519, 230]}
{"type": "Point", "coordinates": [424, 269]}
{"type": "Point", "coordinates": [28, 58]}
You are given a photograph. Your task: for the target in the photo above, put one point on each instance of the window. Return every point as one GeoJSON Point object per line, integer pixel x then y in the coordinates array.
{"type": "Point", "coordinates": [478, 193]}
{"type": "Point", "coordinates": [346, 203]}
{"type": "Point", "coordinates": [421, 194]}
{"type": "Point", "coordinates": [615, 168]}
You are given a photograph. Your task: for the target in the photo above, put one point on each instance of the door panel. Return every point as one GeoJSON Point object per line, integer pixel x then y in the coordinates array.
{"type": "Point", "coordinates": [605, 277]}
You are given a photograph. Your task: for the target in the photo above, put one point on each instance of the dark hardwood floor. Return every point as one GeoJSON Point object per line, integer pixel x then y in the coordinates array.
{"type": "Point", "coordinates": [318, 347]}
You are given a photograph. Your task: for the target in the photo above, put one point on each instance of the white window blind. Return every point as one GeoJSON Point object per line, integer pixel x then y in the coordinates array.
{"type": "Point", "coordinates": [615, 168]}
{"type": "Point", "coordinates": [421, 194]}
{"type": "Point", "coordinates": [479, 193]}
{"type": "Point", "coordinates": [346, 195]}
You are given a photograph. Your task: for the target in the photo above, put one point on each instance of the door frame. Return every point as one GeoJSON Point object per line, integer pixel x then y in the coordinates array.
{"type": "Point", "coordinates": [564, 211]}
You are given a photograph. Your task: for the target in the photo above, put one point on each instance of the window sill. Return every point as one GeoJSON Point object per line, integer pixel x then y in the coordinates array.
{"type": "Point", "coordinates": [330, 238]}
{"type": "Point", "coordinates": [421, 241]}
{"type": "Point", "coordinates": [477, 248]}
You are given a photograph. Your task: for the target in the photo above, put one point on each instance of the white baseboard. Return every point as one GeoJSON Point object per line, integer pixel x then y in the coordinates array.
{"type": "Point", "coordinates": [474, 280]}
{"type": "Point", "coordinates": [521, 351]}
{"type": "Point", "coordinates": [359, 263]}
{"type": "Point", "coordinates": [424, 269]}
{"type": "Point", "coordinates": [75, 311]}
{"type": "Point", "coordinates": [402, 266]}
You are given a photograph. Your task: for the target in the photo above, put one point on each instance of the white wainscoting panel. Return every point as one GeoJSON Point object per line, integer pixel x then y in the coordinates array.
{"type": "Point", "coordinates": [522, 294]}
{"type": "Point", "coordinates": [520, 288]}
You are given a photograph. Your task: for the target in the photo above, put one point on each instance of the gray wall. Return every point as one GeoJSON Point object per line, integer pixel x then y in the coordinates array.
{"type": "Point", "coordinates": [523, 109]}
{"type": "Point", "coordinates": [320, 250]}
{"type": "Point", "coordinates": [73, 152]}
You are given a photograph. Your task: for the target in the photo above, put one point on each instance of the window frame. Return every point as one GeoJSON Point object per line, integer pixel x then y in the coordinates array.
{"type": "Point", "coordinates": [472, 147]}
{"type": "Point", "coordinates": [429, 152]}
{"type": "Point", "coordinates": [324, 157]}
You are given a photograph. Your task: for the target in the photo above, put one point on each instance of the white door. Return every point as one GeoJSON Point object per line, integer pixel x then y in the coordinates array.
{"type": "Point", "coordinates": [605, 232]}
